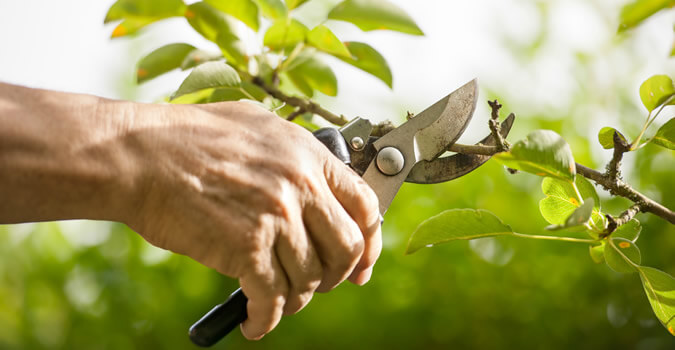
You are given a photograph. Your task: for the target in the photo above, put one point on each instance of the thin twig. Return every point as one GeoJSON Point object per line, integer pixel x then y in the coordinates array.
{"type": "Point", "coordinates": [495, 128]}
{"type": "Point", "coordinates": [298, 112]}
{"type": "Point", "coordinates": [613, 171]}
{"type": "Point", "coordinates": [474, 149]}
{"type": "Point", "coordinates": [617, 187]}
{"type": "Point", "coordinates": [301, 103]}
{"type": "Point", "coordinates": [615, 222]}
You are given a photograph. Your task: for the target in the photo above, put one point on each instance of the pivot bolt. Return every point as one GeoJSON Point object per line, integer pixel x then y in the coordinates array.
{"type": "Point", "coordinates": [390, 161]}
{"type": "Point", "coordinates": [357, 143]}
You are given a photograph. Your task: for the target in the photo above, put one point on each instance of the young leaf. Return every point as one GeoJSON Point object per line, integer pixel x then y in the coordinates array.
{"type": "Point", "coordinates": [630, 231]}
{"type": "Point", "coordinates": [543, 153]}
{"type": "Point", "coordinates": [294, 3]}
{"type": "Point", "coordinates": [144, 9]}
{"type": "Point", "coordinates": [622, 255]}
{"type": "Point", "coordinates": [162, 60]}
{"type": "Point", "coordinates": [656, 90]}
{"type": "Point", "coordinates": [561, 199]}
{"type": "Point", "coordinates": [218, 28]}
{"type": "Point", "coordinates": [368, 60]}
{"type": "Point", "coordinates": [597, 253]}
{"type": "Point", "coordinates": [579, 216]}
{"type": "Point", "coordinates": [666, 135]}
{"type": "Point", "coordinates": [316, 74]}
{"type": "Point", "coordinates": [247, 90]}
{"type": "Point", "coordinates": [201, 96]}
{"type": "Point", "coordinates": [455, 224]}
{"type": "Point", "coordinates": [323, 39]}
{"type": "Point", "coordinates": [375, 14]}
{"type": "Point", "coordinates": [660, 289]}
{"type": "Point", "coordinates": [137, 14]}
{"type": "Point", "coordinates": [285, 33]}
{"type": "Point", "coordinates": [209, 75]}
{"type": "Point", "coordinates": [606, 137]}
{"type": "Point", "coordinates": [639, 10]}
{"type": "Point", "coordinates": [273, 9]}
{"type": "Point", "coordinates": [197, 57]}
{"type": "Point", "coordinates": [243, 10]}
{"type": "Point", "coordinates": [129, 27]}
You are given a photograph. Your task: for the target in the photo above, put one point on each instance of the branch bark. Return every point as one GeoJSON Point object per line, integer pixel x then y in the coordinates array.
{"type": "Point", "coordinates": [619, 188]}
{"type": "Point", "coordinates": [301, 103]}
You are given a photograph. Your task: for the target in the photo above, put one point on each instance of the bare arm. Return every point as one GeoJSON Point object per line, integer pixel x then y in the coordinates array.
{"type": "Point", "coordinates": [230, 185]}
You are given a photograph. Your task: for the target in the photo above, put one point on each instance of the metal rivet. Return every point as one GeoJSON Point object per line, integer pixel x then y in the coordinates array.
{"type": "Point", "coordinates": [357, 143]}
{"type": "Point", "coordinates": [390, 161]}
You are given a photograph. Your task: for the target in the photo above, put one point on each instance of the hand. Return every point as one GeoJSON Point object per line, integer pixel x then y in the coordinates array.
{"type": "Point", "coordinates": [257, 198]}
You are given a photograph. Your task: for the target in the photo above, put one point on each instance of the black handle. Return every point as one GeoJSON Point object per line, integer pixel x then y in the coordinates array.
{"type": "Point", "coordinates": [220, 321]}
{"type": "Point", "coordinates": [225, 317]}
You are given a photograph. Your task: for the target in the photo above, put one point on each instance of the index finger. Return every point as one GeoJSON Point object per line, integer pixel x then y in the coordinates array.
{"type": "Point", "coordinates": [361, 203]}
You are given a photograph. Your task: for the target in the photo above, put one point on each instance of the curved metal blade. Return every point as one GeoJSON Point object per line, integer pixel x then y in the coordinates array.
{"type": "Point", "coordinates": [423, 137]}
{"type": "Point", "coordinates": [449, 168]}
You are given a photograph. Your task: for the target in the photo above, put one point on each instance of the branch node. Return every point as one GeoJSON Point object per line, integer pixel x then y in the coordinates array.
{"type": "Point", "coordinates": [495, 128]}
{"type": "Point", "coordinates": [613, 169]}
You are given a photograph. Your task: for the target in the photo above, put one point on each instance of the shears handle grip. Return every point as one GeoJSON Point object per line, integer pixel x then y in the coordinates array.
{"type": "Point", "coordinates": [225, 317]}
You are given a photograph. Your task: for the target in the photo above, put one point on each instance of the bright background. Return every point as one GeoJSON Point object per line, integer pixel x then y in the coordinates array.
{"type": "Point", "coordinates": [557, 64]}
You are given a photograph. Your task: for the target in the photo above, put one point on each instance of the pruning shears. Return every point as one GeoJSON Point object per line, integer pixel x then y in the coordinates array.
{"type": "Point", "coordinates": [409, 153]}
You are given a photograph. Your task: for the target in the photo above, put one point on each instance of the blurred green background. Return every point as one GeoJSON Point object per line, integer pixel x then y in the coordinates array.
{"type": "Point", "coordinates": [95, 285]}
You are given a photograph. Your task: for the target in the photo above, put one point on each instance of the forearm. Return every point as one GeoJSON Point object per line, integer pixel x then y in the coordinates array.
{"type": "Point", "coordinates": [63, 156]}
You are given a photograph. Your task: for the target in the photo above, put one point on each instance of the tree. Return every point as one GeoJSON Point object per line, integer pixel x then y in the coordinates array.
{"type": "Point", "coordinates": [289, 71]}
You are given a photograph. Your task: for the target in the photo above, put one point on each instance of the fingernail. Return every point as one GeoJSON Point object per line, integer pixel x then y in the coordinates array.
{"type": "Point", "coordinates": [364, 277]}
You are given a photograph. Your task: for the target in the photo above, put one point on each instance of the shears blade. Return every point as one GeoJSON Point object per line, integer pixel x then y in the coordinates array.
{"type": "Point", "coordinates": [423, 137]}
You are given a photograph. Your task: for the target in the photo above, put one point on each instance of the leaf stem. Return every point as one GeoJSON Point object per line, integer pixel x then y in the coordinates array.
{"type": "Point", "coordinates": [556, 238]}
{"type": "Point", "coordinates": [578, 194]}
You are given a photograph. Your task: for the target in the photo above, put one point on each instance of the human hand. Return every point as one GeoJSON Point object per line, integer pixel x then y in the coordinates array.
{"type": "Point", "coordinates": [256, 198]}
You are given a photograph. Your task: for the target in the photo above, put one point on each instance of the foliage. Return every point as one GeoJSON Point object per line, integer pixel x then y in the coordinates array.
{"type": "Point", "coordinates": [71, 286]}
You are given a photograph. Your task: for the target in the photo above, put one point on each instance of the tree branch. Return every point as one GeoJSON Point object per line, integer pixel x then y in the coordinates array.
{"type": "Point", "coordinates": [624, 218]}
{"type": "Point", "coordinates": [617, 187]}
{"type": "Point", "coordinates": [613, 170]}
{"type": "Point", "coordinates": [301, 103]}
{"type": "Point", "coordinates": [495, 128]}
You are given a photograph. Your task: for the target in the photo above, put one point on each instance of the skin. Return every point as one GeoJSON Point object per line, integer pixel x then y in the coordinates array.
{"type": "Point", "coordinates": [229, 184]}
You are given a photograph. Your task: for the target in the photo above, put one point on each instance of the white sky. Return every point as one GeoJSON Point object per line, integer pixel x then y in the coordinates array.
{"type": "Point", "coordinates": [64, 45]}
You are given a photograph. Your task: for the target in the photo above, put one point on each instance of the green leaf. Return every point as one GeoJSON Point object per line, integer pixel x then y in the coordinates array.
{"type": "Point", "coordinates": [630, 231]}
{"type": "Point", "coordinates": [606, 137]}
{"type": "Point", "coordinates": [375, 14]}
{"type": "Point", "coordinates": [312, 73]}
{"type": "Point", "coordinates": [197, 57]}
{"type": "Point", "coordinates": [129, 27]}
{"type": "Point", "coordinates": [245, 91]}
{"type": "Point", "coordinates": [323, 39]}
{"type": "Point", "coordinates": [209, 75]}
{"type": "Point", "coordinates": [597, 253]}
{"type": "Point", "coordinates": [243, 10]}
{"type": "Point", "coordinates": [622, 255]}
{"type": "Point", "coordinates": [656, 90]}
{"type": "Point", "coordinates": [294, 3]}
{"type": "Point", "coordinates": [367, 59]}
{"type": "Point", "coordinates": [579, 216]}
{"type": "Point", "coordinates": [144, 9]}
{"type": "Point", "coordinates": [666, 135]}
{"type": "Point", "coordinates": [136, 14]}
{"type": "Point", "coordinates": [201, 96]}
{"type": "Point", "coordinates": [273, 9]}
{"type": "Point", "coordinates": [660, 289]}
{"type": "Point", "coordinates": [543, 153]}
{"type": "Point", "coordinates": [455, 224]}
{"type": "Point", "coordinates": [285, 33]}
{"type": "Point", "coordinates": [639, 10]}
{"type": "Point", "coordinates": [561, 200]}
{"type": "Point", "coordinates": [218, 28]}
{"type": "Point", "coordinates": [162, 60]}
